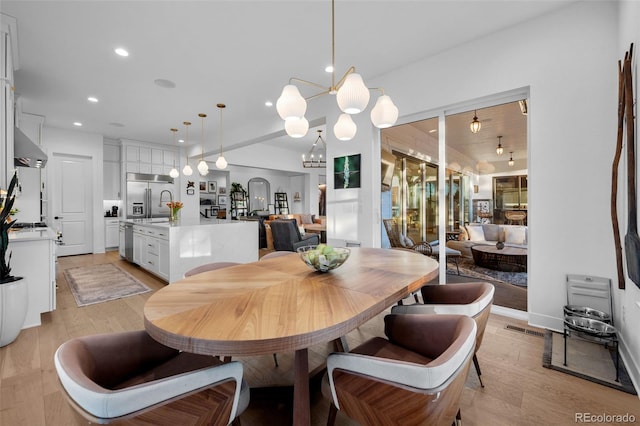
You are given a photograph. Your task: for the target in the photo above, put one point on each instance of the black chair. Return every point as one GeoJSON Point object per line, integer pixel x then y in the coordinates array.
{"type": "Point", "coordinates": [286, 236]}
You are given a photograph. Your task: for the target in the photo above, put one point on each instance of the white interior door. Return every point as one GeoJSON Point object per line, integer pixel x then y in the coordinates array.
{"type": "Point", "coordinates": [72, 201]}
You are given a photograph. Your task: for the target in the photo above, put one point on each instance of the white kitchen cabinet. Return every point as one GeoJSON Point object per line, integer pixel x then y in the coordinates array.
{"type": "Point", "coordinates": [7, 53]}
{"type": "Point", "coordinates": [145, 154]}
{"type": "Point", "coordinates": [151, 249]}
{"type": "Point", "coordinates": [34, 258]}
{"type": "Point", "coordinates": [139, 242]}
{"type": "Point", "coordinates": [111, 237]}
{"type": "Point", "coordinates": [156, 156]}
{"type": "Point", "coordinates": [133, 154]}
{"type": "Point", "coordinates": [111, 172]}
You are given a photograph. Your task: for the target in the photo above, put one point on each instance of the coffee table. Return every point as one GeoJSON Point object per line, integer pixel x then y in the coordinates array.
{"type": "Point", "coordinates": [508, 259]}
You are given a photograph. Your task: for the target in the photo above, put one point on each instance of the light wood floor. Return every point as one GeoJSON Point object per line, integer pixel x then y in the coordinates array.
{"type": "Point", "coordinates": [519, 391]}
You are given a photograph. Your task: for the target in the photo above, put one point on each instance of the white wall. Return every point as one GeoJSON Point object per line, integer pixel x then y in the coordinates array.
{"type": "Point", "coordinates": [60, 141]}
{"type": "Point", "coordinates": [627, 302]}
{"type": "Point", "coordinates": [567, 60]}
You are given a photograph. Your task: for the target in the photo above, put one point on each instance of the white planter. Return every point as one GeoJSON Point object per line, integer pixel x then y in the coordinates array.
{"type": "Point", "coordinates": [13, 309]}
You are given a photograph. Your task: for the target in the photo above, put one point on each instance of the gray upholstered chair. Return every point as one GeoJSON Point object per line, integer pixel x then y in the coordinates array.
{"type": "Point", "coordinates": [471, 299]}
{"type": "Point", "coordinates": [287, 237]}
{"type": "Point", "coordinates": [130, 376]}
{"type": "Point", "coordinates": [209, 267]}
{"type": "Point", "coordinates": [416, 377]}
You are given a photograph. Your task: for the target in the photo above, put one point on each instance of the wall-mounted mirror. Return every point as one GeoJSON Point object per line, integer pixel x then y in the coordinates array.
{"type": "Point", "coordinates": [259, 195]}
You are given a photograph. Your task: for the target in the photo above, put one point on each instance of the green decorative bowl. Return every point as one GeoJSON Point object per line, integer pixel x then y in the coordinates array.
{"type": "Point", "coordinates": [323, 258]}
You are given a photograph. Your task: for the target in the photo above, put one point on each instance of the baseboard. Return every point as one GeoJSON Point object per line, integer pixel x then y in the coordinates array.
{"type": "Point", "coordinates": [510, 313]}
{"type": "Point", "coordinates": [546, 321]}
{"type": "Point", "coordinates": [633, 369]}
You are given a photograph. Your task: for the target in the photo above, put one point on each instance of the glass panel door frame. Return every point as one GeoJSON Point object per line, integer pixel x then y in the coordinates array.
{"type": "Point", "coordinates": [441, 113]}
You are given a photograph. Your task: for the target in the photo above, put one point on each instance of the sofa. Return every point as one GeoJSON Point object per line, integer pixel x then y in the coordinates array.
{"type": "Point", "coordinates": [489, 234]}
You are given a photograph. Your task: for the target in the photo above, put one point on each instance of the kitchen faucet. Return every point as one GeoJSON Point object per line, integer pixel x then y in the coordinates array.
{"type": "Point", "coordinates": [170, 197]}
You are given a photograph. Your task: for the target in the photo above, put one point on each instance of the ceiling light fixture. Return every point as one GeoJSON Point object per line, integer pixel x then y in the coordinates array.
{"type": "Point", "coordinates": [121, 52]}
{"type": "Point", "coordinates": [92, 99]}
{"type": "Point", "coordinates": [77, 124]}
{"type": "Point", "coordinates": [511, 159]}
{"type": "Point", "coordinates": [499, 148]}
{"type": "Point", "coordinates": [187, 170]}
{"type": "Point", "coordinates": [317, 154]}
{"type": "Point", "coordinates": [475, 124]}
{"type": "Point", "coordinates": [221, 163]}
{"type": "Point", "coordinates": [203, 167]}
{"type": "Point", "coordinates": [174, 173]}
{"type": "Point", "coordinates": [352, 96]}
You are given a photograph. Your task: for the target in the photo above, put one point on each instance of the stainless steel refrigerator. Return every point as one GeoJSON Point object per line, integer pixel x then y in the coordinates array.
{"type": "Point", "coordinates": [144, 192]}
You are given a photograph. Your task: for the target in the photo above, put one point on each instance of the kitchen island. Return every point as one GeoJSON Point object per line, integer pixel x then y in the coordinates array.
{"type": "Point", "coordinates": [33, 257]}
{"type": "Point", "coordinates": [169, 249]}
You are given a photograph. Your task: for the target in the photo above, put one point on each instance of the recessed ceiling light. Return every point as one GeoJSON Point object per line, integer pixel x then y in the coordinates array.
{"type": "Point", "coordinates": [92, 99]}
{"type": "Point", "coordinates": [269, 103]}
{"type": "Point", "coordinates": [77, 123]}
{"type": "Point", "coordinates": [120, 51]}
{"type": "Point", "coordinates": [433, 130]}
{"type": "Point", "coordinates": [167, 84]}
{"type": "Point", "coordinates": [329, 68]}
{"type": "Point", "coordinates": [115, 124]}
{"type": "Point", "coordinates": [181, 140]}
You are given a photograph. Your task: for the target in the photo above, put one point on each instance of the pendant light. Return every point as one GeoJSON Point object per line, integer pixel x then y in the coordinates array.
{"type": "Point", "coordinates": [221, 163]}
{"type": "Point", "coordinates": [475, 125]}
{"type": "Point", "coordinates": [345, 129]}
{"type": "Point", "coordinates": [511, 159]}
{"type": "Point", "coordinates": [174, 173]}
{"type": "Point", "coordinates": [203, 167]}
{"type": "Point", "coordinates": [499, 148]}
{"type": "Point", "coordinates": [352, 97]}
{"type": "Point", "coordinates": [187, 170]}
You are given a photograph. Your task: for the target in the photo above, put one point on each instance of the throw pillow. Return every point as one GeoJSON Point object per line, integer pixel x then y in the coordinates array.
{"type": "Point", "coordinates": [306, 218]}
{"type": "Point", "coordinates": [475, 233]}
{"type": "Point", "coordinates": [491, 232]}
{"type": "Point", "coordinates": [514, 234]}
{"type": "Point", "coordinates": [406, 241]}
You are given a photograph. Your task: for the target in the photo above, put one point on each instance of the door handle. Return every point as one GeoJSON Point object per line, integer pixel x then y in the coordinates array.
{"type": "Point", "coordinates": [58, 217]}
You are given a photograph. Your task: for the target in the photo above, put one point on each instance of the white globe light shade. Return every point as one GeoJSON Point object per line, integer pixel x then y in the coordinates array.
{"type": "Point", "coordinates": [187, 170]}
{"type": "Point", "coordinates": [174, 173]}
{"type": "Point", "coordinates": [203, 167]}
{"type": "Point", "coordinates": [291, 104]}
{"type": "Point", "coordinates": [345, 129]}
{"type": "Point", "coordinates": [296, 128]}
{"type": "Point", "coordinates": [384, 114]}
{"type": "Point", "coordinates": [221, 163]}
{"type": "Point", "coordinates": [353, 95]}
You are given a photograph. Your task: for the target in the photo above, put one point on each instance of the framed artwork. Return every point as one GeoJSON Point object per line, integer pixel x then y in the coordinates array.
{"type": "Point", "coordinates": [346, 172]}
{"type": "Point", "coordinates": [222, 200]}
{"type": "Point", "coordinates": [213, 186]}
{"type": "Point", "coordinates": [203, 186]}
{"type": "Point", "coordinates": [222, 190]}
{"type": "Point", "coordinates": [214, 211]}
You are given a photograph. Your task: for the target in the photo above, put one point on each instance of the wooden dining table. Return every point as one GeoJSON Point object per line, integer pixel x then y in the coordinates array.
{"type": "Point", "coordinates": [281, 305]}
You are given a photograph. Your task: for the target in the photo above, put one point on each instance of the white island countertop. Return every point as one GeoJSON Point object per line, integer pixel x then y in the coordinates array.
{"type": "Point", "coordinates": [31, 234]}
{"type": "Point", "coordinates": [194, 242]}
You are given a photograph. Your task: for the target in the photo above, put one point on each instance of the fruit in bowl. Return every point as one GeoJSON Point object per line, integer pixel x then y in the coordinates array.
{"type": "Point", "coordinates": [322, 257]}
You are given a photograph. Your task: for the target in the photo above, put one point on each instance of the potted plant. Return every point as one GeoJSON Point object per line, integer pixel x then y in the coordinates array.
{"type": "Point", "coordinates": [13, 290]}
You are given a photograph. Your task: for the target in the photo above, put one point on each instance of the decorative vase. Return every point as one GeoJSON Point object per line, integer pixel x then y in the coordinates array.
{"type": "Point", "coordinates": [14, 300]}
{"type": "Point", "coordinates": [499, 245]}
{"type": "Point", "coordinates": [174, 215]}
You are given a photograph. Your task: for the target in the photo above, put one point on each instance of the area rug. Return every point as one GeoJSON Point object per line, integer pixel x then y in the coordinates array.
{"type": "Point", "coordinates": [469, 269]}
{"type": "Point", "coordinates": [587, 360]}
{"type": "Point", "coordinates": [101, 283]}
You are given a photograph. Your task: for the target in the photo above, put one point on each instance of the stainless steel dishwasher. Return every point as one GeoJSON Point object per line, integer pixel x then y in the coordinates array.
{"type": "Point", "coordinates": [127, 229]}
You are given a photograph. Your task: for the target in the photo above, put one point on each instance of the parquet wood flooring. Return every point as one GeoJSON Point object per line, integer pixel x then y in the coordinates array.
{"type": "Point", "coordinates": [518, 390]}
